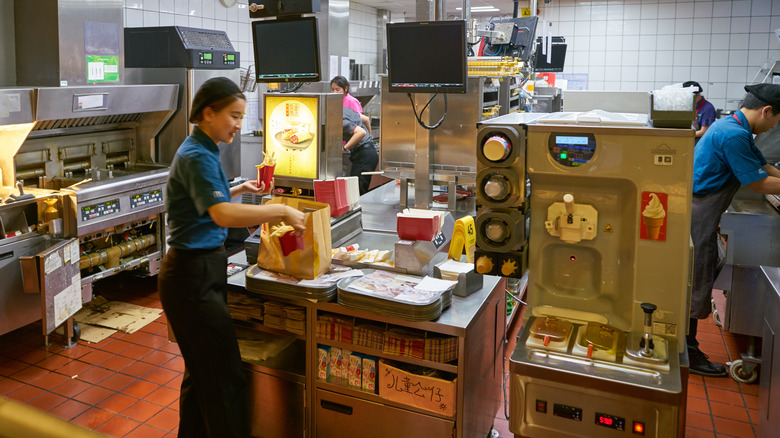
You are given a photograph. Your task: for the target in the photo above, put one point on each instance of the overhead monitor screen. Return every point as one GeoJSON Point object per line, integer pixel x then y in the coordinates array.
{"type": "Point", "coordinates": [286, 50]}
{"type": "Point", "coordinates": [427, 57]}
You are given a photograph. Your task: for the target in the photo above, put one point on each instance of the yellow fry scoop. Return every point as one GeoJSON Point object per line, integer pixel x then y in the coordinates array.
{"type": "Point", "coordinates": [463, 234]}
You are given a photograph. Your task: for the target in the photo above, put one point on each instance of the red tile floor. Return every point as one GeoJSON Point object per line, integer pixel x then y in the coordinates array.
{"type": "Point", "coordinates": [128, 384]}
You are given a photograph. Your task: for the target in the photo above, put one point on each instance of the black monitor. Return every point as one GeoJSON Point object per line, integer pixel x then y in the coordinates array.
{"type": "Point", "coordinates": [522, 40]}
{"type": "Point", "coordinates": [427, 57]}
{"type": "Point", "coordinates": [557, 57]}
{"type": "Point", "coordinates": [286, 49]}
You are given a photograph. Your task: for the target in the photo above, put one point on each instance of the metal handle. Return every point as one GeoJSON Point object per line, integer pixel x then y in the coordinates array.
{"type": "Point", "coordinates": [336, 407]}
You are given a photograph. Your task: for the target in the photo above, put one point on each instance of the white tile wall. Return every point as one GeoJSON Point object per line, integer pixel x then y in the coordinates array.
{"type": "Point", "coordinates": [363, 36]}
{"type": "Point", "coordinates": [720, 43]}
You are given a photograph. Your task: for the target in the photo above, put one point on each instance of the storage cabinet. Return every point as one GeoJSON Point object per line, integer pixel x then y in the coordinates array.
{"type": "Point", "coordinates": [289, 401]}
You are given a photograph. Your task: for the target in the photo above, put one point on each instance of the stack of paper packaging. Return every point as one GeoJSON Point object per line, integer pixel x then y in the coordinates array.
{"type": "Point", "coordinates": [450, 269]}
{"type": "Point", "coordinates": [285, 317]}
{"type": "Point", "coordinates": [333, 192]}
{"type": "Point", "coordinates": [353, 191]}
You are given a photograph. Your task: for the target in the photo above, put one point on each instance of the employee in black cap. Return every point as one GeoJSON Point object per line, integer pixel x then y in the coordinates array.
{"type": "Point", "coordinates": [193, 278]}
{"type": "Point", "coordinates": [724, 160]}
{"type": "Point", "coordinates": [705, 111]}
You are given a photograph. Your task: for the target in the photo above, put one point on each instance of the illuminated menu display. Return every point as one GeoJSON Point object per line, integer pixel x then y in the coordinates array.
{"type": "Point", "coordinates": [146, 198]}
{"type": "Point", "coordinates": [99, 210]}
{"type": "Point", "coordinates": [291, 134]}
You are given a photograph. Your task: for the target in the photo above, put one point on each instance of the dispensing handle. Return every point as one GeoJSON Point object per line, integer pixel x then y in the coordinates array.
{"type": "Point", "coordinates": [646, 344]}
{"type": "Point", "coordinates": [568, 203]}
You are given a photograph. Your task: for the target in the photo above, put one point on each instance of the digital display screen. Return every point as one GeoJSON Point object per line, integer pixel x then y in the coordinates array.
{"type": "Point", "coordinates": [207, 56]}
{"type": "Point", "coordinates": [146, 198]}
{"type": "Point", "coordinates": [572, 150]}
{"type": "Point", "coordinates": [610, 421]}
{"type": "Point", "coordinates": [427, 57]}
{"type": "Point", "coordinates": [231, 57]}
{"type": "Point", "coordinates": [286, 49]}
{"type": "Point", "coordinates": [99, 210]}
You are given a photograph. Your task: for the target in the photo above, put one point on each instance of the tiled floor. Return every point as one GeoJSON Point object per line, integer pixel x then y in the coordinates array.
{"type": "Point", "coordinates": [128, 385]}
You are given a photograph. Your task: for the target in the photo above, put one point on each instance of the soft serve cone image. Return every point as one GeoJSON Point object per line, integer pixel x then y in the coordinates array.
{"type": "Point", "coordinates": [653, 216]}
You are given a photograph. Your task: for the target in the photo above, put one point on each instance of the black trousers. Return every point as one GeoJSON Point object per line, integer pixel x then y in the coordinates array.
{"type": "Point", "coordinates": [363, 159]}
{"type": "Point", "coordinates": [214, 396]}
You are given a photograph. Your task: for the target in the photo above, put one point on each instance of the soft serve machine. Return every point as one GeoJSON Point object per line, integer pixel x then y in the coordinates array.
{"type": "Point", "coordinates": [602, 348]}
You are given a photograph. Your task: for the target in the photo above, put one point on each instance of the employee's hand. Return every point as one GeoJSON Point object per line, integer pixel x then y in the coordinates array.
{"type": "Point", "coordinates": [295, 219]}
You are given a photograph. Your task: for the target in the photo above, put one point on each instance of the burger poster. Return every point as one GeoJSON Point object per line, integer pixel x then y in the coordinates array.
{"type": "Point", "coordinates": [290, 133]}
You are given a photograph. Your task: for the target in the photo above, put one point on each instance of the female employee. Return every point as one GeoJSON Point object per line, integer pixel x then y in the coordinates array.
{"type": "Point", "coordinates": [724, 160]}
{"type": "Point", "coordinates": [193, 279]}
{"type": "Point", "coordinates": [340, 85]}
{"type": "Point", "coordinates": [360, 146]}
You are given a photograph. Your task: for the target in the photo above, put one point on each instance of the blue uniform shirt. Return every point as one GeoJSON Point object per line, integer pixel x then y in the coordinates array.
{"type": "Point", "coordinates": [705, 113]}
{"type": "Point", "coordinates": [726, 151]}
{"type": "Point", "coordinates": [195, 183]}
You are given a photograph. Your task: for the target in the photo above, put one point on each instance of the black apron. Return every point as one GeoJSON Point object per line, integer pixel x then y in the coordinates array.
{"type": "Point", "coordinates": [705, 217]}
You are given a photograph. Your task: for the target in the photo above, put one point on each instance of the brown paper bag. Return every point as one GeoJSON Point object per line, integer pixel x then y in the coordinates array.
{"type": "Point", "coordinates": [311, 261]}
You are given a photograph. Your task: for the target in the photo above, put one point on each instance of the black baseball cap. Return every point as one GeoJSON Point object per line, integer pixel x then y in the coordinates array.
{"type": "Point", "coordinates": [769, 93]}
{"type": "Point", "coordinates": [693, 84]}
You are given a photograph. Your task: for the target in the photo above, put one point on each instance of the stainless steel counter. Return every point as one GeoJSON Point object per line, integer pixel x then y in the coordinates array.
{"type": "Point", "coordinates": [381, 205]}
{"type": "Point", "coordinates": [769, 393]}
{"type": "Point", "coordinates": [751, 226]}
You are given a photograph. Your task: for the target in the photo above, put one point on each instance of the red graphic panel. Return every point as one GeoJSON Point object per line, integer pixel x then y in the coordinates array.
{"type": "Point", "coordinates": [653, 216]}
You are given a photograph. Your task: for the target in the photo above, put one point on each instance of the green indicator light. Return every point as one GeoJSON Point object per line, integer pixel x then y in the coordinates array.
{"type": "Point", "coordinates": [563, 155]}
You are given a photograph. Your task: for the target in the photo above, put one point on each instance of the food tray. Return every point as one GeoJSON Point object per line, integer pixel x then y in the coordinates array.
{"type": "Point", "coordinates": [269, 287]}
{"type": "Point", "coordinates": [360, 300]}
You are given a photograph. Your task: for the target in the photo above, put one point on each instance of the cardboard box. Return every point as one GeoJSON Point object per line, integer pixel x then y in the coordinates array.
{"type": "Point", "coordinates": [429, 393]}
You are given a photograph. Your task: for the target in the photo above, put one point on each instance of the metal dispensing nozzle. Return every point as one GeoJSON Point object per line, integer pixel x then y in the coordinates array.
{"type": "Point", "coordinates": [646, 343]}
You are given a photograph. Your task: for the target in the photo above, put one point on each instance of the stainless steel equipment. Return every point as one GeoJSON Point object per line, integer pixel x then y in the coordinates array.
{"type": "Point", "coordinates": [113, 190]}
{"type": "Point", "coordinates": [608, 243]}
{"type": "Point", "coordinates": [27, 226]}
{"type": "Point", "coordinates": [63, 43]}
{"type": "Point", "coordinates": [88, 149]}
{"type": "Point", "coordinates": [187, 57]}
{"type": "Point", "coordinates": [769, 394]}
{"type": "Point", "coordinates": [751, 227]}
{"type": "Point", "coordinates": [443, 156]}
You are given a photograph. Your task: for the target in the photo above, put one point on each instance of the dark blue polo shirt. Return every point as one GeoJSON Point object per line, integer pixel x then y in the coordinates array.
{"type": "Point", "coordinates": [705, 113]}
{"type": "Point", "coordinates": [196, 182]}
{"type": "Point", "coordinates": [726, 151]}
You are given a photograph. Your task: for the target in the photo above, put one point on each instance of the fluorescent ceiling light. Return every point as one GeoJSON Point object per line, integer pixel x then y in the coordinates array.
{"type": "Point", "coordinates": [480, 9]}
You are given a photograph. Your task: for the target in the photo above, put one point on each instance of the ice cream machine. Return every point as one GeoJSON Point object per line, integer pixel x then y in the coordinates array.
{"type": "Point", "coordinates": [601, 351]}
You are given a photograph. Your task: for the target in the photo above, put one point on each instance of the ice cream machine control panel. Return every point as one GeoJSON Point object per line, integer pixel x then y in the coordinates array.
{"type": "Point", "coordinates": [572, 149]}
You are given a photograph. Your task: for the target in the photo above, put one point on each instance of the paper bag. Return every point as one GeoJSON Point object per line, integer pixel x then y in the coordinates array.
{"type": "Point", "coordinates": [311, 261]}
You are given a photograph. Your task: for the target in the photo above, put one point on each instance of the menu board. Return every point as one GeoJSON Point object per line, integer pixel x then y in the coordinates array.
{"type": "Point", "coordinates": [291, 127]}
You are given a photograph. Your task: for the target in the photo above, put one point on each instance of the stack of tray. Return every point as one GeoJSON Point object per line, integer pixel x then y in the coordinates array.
{"type": "Point", "coordinates": [360, 300]}
{"type": "Point", "coordinates": [258, 281]}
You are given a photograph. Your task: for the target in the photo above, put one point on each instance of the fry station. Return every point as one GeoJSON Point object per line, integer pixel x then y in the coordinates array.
{"type": "Point", "coordinates": [433, 227]}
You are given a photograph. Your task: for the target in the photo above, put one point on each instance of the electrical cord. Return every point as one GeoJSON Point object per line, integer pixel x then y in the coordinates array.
{"type": "Point", "coordinates": [423, 110]}
{"type": "Point", "coordinates": [294, 89]}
